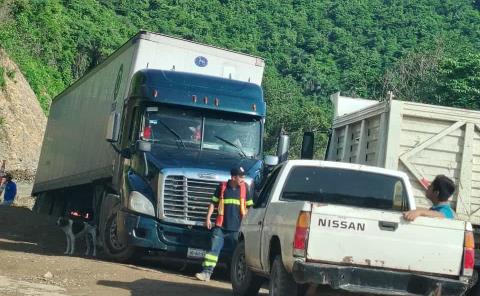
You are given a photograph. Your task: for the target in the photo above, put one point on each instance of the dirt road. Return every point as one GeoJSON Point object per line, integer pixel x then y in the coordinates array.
{"type": "Point", "coordinates": [32, 263]}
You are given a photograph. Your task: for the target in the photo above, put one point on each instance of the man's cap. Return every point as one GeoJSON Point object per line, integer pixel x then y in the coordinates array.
{"type": "Point", "coordinates": [237, 171]}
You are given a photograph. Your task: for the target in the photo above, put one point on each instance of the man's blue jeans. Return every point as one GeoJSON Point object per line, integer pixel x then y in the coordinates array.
{"type": "Point", "coordinates": [219, 237]}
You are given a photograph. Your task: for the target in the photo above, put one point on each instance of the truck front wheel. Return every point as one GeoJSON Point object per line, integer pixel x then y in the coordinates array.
{"type": "Point", "coordinates": [115, 248]}
{"type": "Point", "coordinates": [281, 282]}
{"type": "Point", "coordinates": [244, 281]}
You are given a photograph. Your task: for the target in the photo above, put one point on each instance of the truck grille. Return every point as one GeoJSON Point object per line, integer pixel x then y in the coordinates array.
{"type": "Point", "coordinates": [186, 198]}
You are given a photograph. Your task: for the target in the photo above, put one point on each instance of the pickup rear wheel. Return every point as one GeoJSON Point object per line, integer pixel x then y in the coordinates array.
{"type": "Point", "coordinates": [244, 281]}
{"type": "Point", "coordinates": [281, 282]}
{"type": "Point", "coordinates": [475, 289]}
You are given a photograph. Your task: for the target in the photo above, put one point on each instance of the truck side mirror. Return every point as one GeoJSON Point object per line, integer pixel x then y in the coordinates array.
{"type": "Point", "coordinates": [113, 127]}
{"type": "Point", "coordinates": [308, 143]}
{"type": "Point", "coordinates": [327, 155]}
{"type": "Point", "coordinates": [144, 146]}
{"type": "Point", "coordinates": [282, 149]}
{"type": "Point", "coordinates": [271, 160]}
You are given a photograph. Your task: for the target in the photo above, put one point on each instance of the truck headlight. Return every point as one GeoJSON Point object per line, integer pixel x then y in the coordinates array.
{"type": "Point", "coordinates": [141, 204]}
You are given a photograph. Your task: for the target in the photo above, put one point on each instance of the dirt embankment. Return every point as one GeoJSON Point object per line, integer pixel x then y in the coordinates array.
{"type": "Point", "coordinates": [22, 121]}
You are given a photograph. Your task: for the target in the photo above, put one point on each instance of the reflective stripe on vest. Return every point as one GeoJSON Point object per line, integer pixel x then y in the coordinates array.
{"type": "Point", "coordinates": [242, 202]}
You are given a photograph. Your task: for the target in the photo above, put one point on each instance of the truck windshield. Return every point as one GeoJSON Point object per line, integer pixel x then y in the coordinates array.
{"type": "Point", "coordinates": [191, 129]}
{"type": "Point", "coordinates": [345, 187]}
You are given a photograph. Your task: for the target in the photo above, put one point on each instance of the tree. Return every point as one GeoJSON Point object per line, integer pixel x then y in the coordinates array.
{"type": "Point", "coordinates": [312, 48]}
{"type": "Point", "coordinates": [458, 81]}
{"type": "Point", "coordinates": [413, 77]}
{"type": "Point", "coordinates": [435, 77]}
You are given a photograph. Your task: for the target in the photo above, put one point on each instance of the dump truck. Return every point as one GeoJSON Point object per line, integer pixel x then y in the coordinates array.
{"type": "Point", "coordinates": [419, 139]}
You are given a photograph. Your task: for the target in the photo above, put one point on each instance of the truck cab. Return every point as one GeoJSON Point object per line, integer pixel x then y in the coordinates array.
{"type": "Point", "coordinates": [181, 134]}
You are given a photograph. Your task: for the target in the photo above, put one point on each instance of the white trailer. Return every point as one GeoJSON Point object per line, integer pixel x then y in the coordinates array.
{"type": "Point", "coordinates": [419, 139]}
{"type": "Point", "coordinates": [74, 150]}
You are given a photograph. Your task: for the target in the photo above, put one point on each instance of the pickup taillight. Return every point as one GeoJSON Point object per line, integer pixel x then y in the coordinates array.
{"type": "Point", "coordinates": [301, 234]}
{"type": "Point", "coordinates": [468, 254]}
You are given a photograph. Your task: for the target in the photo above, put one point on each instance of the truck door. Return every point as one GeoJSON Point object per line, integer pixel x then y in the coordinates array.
{"type": "Point", "coordinates": [253, 223]}
{"type": "Point", "coordinates": [128, 135]}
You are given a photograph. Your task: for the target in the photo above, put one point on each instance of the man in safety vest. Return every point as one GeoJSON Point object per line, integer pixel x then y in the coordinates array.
{"type": "Point", "coordinates": [232, 198]}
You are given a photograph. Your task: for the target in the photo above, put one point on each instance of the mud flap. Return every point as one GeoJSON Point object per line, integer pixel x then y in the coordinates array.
{"type": "Point", "coordinates": [50, 203]}
{"type": "Point", "coordinates": [110, 203]}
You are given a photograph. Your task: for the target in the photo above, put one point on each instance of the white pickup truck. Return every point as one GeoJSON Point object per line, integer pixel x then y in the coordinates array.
{"type": "Point", "coordinates": [320, 223]}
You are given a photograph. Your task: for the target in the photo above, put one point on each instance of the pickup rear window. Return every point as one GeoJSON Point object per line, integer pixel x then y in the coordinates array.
{"type": "Point", "coordinates": [345, 187]}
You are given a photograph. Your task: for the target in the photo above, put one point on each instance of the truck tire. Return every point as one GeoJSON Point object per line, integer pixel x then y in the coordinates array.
{"type": "Point", "coordinates": [244, 281]}
{"type": "Point", "coordinates": [474, 291]}
{"type": "Point", "coordinates": [114, 248]}
{"type": "Point", "coordinates": [281, 282]}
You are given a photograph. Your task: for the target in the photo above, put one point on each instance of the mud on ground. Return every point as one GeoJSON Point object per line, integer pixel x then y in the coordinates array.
{"type": "Point", "coordinates": [32, 263]}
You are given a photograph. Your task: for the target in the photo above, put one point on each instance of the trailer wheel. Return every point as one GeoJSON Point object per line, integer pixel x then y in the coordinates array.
{"type": "Point", "coordinates": [115, 248]}
{"type": "Point", "coordinates": [281, 282]}
{"type": "Point", "coordinates": [244, 281]}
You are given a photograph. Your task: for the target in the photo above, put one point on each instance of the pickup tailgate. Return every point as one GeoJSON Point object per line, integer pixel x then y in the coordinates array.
{"type": "Point", "coordinates": [371, 237]}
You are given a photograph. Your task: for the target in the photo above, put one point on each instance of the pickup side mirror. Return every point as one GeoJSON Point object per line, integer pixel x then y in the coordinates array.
{"type": "Point", "coordinates": [113, 127]}
{"type": "Point", "coordinates": [307, 145]}
{"type": "Point", "coordinates": [144, 146]}
{"type": "Point", "coordinates": [282, 149]}
{"type": "Point", "coordinates": [271, 160]}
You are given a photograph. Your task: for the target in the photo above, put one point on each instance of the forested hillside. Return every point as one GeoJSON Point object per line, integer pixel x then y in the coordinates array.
{"type": "Point", "coordinates": [423, 50]}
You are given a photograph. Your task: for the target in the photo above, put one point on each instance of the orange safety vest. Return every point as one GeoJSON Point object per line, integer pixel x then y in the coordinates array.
{"type": "Point", "coordinates": [221, 203]}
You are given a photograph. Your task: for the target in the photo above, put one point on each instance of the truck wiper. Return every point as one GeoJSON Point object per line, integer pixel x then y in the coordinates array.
{"type": "Point", "coordinates": [242, 153]}
{"type": "Point", "coordinates": [173, 132]}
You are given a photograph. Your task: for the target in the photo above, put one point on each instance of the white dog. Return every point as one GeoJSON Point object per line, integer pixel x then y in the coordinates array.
{"type": "Point", "coordinates": [76, 226]}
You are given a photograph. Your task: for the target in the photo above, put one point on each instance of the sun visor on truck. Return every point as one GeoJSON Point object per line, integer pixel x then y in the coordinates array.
{"type": "Point", "coordinates": [198, 91]}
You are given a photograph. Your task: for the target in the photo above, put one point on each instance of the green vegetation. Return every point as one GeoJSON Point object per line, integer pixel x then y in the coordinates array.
{"type": "Point", "coordinates": [2, 78]}
{"type": "Point", "coordinates": [312, 48]}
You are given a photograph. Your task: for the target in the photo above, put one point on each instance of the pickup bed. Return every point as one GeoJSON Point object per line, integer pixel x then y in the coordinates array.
{"type": "Point", "coordinates": [319, 223]}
